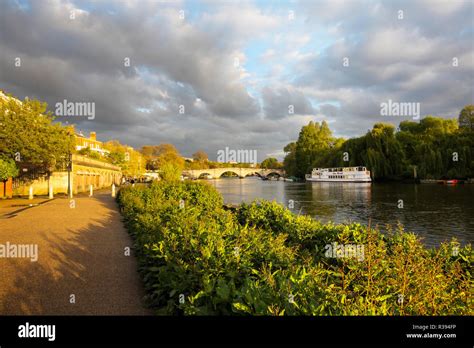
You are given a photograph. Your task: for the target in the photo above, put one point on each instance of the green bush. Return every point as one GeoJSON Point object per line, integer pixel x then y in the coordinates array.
{"type": "Point", "coordinates": [197, 258]}
{"type": "Point", "coordinates": [8, 169]}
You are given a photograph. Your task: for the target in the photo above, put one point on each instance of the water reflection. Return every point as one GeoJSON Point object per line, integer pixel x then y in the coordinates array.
{"type": "Point", "coordinates": [436, 212]}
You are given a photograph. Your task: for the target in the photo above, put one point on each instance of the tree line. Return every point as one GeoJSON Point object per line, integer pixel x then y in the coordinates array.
{"type": "Point", "coordinates": [434, 148]}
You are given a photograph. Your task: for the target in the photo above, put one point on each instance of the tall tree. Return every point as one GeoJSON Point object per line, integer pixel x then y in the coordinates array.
{"type": "Point", "coordinates": [28, 135]}
{"type": "Point", "coordinates": [200, 156]}
{"type": "Point", "coordinates": [289, 162]}
{"type": "Point", "coordinates": [128, 159]}
{"type": "Point", "coordinates": [157, 155]}
{"type": "Point", "coordinates": [270, 163]}
{"type": "Point", "coordinates": [466, 117]}
{"type": "Point", "coordinates": [312, 146]}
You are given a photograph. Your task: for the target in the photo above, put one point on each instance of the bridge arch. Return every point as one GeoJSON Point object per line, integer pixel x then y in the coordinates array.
{"type": "Point", "coordinates": [202, 175]}
{"type": "Point", "coordinates": [255, 173]}
{"type": "Point", "coordinates": [273, 173]}
{"type": "Point", "coordinates": [229, 171]}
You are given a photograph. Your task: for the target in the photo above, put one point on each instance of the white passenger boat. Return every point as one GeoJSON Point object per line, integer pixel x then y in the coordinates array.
{"type": "Point", "coordinates": [342, 174]}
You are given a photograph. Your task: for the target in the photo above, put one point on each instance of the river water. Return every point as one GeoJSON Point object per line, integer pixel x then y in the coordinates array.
{"type": "Point", "coordinates": [433, 211]}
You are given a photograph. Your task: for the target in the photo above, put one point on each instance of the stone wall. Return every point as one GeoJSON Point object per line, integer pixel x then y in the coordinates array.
{"type": "Point", "coordinates": [85, 172]}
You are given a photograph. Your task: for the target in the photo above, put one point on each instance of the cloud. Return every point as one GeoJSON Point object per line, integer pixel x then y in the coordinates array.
{"type": "Point", "coordinates": [285, 102]}
{"type": "Point", "coordinates": [190, 63]}
{"type": "Point", "coordinates": [409, 59]}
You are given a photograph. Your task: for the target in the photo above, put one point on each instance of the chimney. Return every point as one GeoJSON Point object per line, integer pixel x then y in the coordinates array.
{"type": "Point", "coordinates": [92, 136]}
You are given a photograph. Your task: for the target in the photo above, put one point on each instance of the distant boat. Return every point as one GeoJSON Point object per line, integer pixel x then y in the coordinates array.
{"type": "Point", "coordinates": [445, 182]}
{"type": "Point", "coordinates": [341, 174]}
{"type": "Point", "coordinates": [451, 182]}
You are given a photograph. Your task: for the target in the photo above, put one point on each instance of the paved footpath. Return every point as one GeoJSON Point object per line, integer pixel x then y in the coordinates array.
{"type": "Point", "coordinates": [80, 253]}
{"type": "Point", "coordinates": [10, 206]}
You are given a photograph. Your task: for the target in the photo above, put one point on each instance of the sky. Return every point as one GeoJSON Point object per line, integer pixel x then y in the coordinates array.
{"type": "Point", "coordinates": [206, 75]}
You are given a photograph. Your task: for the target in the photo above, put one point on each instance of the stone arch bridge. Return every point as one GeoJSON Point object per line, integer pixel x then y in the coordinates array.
{"type": "Point", "coordinates": [241, 172]}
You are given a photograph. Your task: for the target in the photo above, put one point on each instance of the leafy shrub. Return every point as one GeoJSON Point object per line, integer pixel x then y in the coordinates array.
{"type": "Point", "coordinates": [8, 169]}
{"type": "Point", "coordinates": [196, 258]}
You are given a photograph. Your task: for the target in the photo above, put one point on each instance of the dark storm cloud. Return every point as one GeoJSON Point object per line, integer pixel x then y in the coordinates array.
{"type": "Point", "coordinates": [189, 63]}
{"type": "Point", "coordinates": [173, 64]}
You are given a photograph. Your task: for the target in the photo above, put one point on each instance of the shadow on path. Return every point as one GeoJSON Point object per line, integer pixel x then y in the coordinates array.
{"type": "Point", "coordinates": [87, 262]}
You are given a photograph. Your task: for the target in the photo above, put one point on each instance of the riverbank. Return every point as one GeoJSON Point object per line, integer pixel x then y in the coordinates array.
{"type": "Point", "coordinates": [435, 213]}
{"type": "Point", "coordinates": [261, 259]}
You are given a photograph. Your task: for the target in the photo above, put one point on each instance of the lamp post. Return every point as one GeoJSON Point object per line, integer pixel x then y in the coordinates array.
{"type": "Point", "coordinates": [69, 169]}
